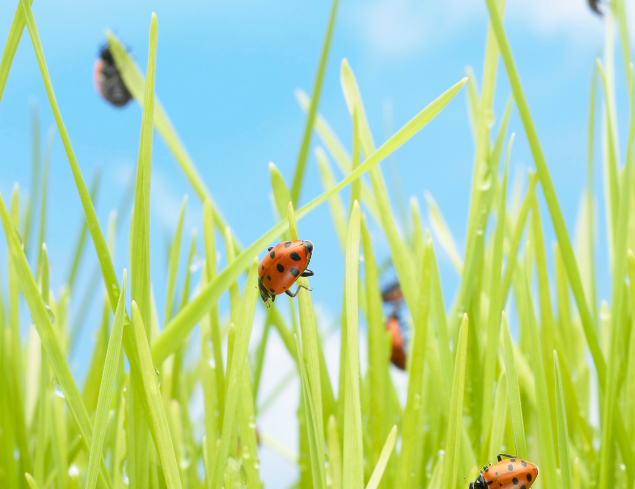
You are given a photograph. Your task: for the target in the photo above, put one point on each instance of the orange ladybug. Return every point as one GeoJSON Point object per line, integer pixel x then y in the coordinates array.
{"type": "Point", "coordinates": [281, 267]}
{"type": "Point", "coordinates": [398, 350]}
{"type": "Point", "coordinates": [108, 80]}
{"type": "Point", "coordinates": [506, 474]}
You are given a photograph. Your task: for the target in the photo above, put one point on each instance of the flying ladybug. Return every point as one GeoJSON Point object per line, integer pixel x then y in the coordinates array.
{"type": "Point", "coordinates": [108, 80]}
{"type": "Point", "coordinates": [281, 267]}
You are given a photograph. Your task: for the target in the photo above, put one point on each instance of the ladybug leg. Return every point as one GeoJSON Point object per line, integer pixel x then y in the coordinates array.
{"type": "Point", "coordinates": [293, 294]}
{"type": "Point", "coordinates": [273, 298]}
{"type": "Point", "coordinates": [500, 455]}
{"type": "Point", "coordinates": [270, 248]}
{"type": "Point", "coordinates": [307, 273]}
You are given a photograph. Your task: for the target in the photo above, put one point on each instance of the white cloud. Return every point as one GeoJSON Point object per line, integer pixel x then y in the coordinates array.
{"type": "Point", "coordinates": [407, 27]}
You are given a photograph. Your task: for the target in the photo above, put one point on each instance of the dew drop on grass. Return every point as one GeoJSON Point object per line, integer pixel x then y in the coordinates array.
{"type": "Point", "coordinates": [124, 473]}
{"type": "Point", "coordinates": [73, 471]}
{"type": "Point", "coordinates": [490, 118]}
{"type": "Point", "coordinates": [16, 454]}
{"type": "Point", "coordinates": [50, 313]}
{"type": "Point", "coordinates": [327, 461]}
{"type": "Point", "coordinates": [57, 390]}
{"type": "Point", "coordinates": [156, 371]}
{"type": "Point", "coordinates": [212, 363]}
{"type": "Point", "coordinates": [197, 264]}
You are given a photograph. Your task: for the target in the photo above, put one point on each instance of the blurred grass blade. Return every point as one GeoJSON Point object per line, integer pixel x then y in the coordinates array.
{"type": "Point", "coordinates": [451, 462]}
{"type": "Point", "coordinates": [11, 46]}
{"type": "Point", "coordinates": [298, 176]}
{"type": "Point", "coordinates": [374, 481]}
{"type": "Point", "coordinates": [179, 327]}
{"type": "Point", "coordinates": [156, 413]}
{"type": "Point", "coordinates": [515, 407]}
{"type": "Point", "coordinates": [173, 262]}
{"type": "Point", "coordinates": [106, 389]}
{"type": "Point", "coordinates": [563, 432]}
{"type": "Point", "coordinates": [443, 233]}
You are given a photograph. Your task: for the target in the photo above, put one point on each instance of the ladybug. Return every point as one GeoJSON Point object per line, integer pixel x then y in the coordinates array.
{"type": "Point", "coordinates": [281, 267]}
{"type": "Point", "coordinates": [506, 474]}
{"type": "Point", "coordinates": [594, 6]}
{"type": "Point", "coordinates": [108, 80]}
{"type": "Point", "coordinates": [392, 293]}
{"type": "Point", "coordinates": [398, 348]}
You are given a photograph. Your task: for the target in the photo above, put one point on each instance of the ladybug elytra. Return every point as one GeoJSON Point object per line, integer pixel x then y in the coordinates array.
{"type": "Point", "coordinates": [281, 267]}
{"type": "Point", "coordinates": [108, 80]}
{"type": "Point", "coordinates": [506, 474]}
{"type": "Point", "coordinates": [398, 348]}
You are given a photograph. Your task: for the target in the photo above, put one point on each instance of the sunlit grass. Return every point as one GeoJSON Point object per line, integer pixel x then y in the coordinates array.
{"type": "Point", "coordinates": [477, 385]}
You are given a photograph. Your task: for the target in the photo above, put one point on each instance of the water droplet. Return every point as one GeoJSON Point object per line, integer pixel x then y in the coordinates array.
{"type": "Point", "coordinates": [17, 233]}
{"type": "Point", "coordinates": [490, 118]}
{"type": "Point", "coordinates": [197, 264]}
{"type": "Point", "coordinates": [622, 467]}
{"type": "Point", "coordinates": [156, 370]}
{"type": "Point", "coordinates": [212, 363]}
{"type": "Point", "coordinates": [327, 461]}
{"type": "Point", "coordinates": [57, 390]}
{"type": "Point", "coordinates": [50, 313]}
{"type": "Point", "coordinates": [73, 471]}
{"type": "Point", "coordinates": [16, 454]}
{"type": "Point", "coordinates": [361, 258]}
{"type": "Point", "coordinates": [124, 473]}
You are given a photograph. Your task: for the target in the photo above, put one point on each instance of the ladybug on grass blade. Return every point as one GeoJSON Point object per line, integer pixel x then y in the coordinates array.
{"type": "Point", "coordinates": [281, 267]}
{"type": "Point", "coordinates": [594, 6]}
{"type": "Point", "coordinates": [506, 474]}
{"type": "Point", "coordinates": [398, 348]}
{"type": "Point", "coordinates": [108, 80]}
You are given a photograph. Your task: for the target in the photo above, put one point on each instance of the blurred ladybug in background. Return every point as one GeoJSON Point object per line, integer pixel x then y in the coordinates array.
{"type": "Point", "coordinates": [398, 348]}
{"type": "Point", "coordinates": [281, 267]}
{"type": "Point", "coordinates": [392, 293]}
{"type": "Point", "coordinates": [108, 80]}
{"type": "Point", "coordinates": [594, 6]}
{"type": "Point", "coordinates": [506, 474]}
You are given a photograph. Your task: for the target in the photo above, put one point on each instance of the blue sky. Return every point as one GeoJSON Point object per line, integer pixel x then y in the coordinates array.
{"type": "Point", "coordinates": [226, 74]}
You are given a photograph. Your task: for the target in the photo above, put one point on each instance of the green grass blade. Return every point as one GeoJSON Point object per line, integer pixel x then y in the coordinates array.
{"type": "Point", "coordinates": [44, 199]}
{"type": "Point", "coordinates": [10, 47]}
{"type": "Point", "coordinates": [179, 327]}
{"type": "Point", "coordinates": [308, 128]}
{"type": "Point", "coordinates": [335, 467]}
{"type": "Point", "coordinates": [353, 445]}
{"type": "Point", "coordinates": [31, 481]}
{"type": "Point", "coordinates": [563, 432]}
{"type": "Point", "coordinates": [42, 320]}
{"type": "Point", "coordinates": [451, 462]}
{"type": "Point", "coordinates": [501, 407]}
{"type": "Point", "coordinates": [335, 202]}
{"type": "Point", "coordinates": [545, 429]}
{"type": "Point", "coordinates": [375, 479]}
{"type": "Point", "coordinates": [106, 389]}
{"type": "Point", "coordinates": [235, 371]}
{"type": "Point", "coordinates": [629, 382]}
{"type": "Point", "coordinates": [35, 173]}
{"type": "Point", "coordinates": [513, 389]}
{"type": "Point", "coordinates": [156, 414]}
{"type": "Point", "coordinates": [173, 262]}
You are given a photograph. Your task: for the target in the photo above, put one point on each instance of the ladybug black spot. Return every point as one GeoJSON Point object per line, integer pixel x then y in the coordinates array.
{"type": "Point", "coordinates": [528, 477]}
{"type": "Point", "coordinates": [262, 266]}
{"type": "Point", "coordinates": [287, 244]}
{"type": "Point", "coordinates": [268, 277]}
{"type": "Point", "coordinates": [523, 487]}
{"type": "Point", "coordinates": [512, 460]}
{"type": "Point", "coordinates": [515, 481]}
{"type": "Point", "coordinates": [523, 463]}
{"type": "Point", "coordinates": [280, 268]}
{"type": "Point", "coordinates": [294, 271]}
{"type": "Point", "coordinates": [510, 467]}
{"type": "Point", "coordinates": [272, 254]}
{"type": "Point", "coordinates": [272, 291]}
{"type": "Point", "coordinates": [295, 257]}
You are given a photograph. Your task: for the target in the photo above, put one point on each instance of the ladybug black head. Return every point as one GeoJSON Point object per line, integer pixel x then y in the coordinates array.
{"type": "Point", "coordinates": [106, 55]}
{"type": "Point", "coordinates": [479, 483]}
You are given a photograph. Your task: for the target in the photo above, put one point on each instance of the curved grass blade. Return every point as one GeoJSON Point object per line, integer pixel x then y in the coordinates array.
{"type": "Point", "coordinates": [179, 327]}
{"type": "Point", "coordinates": [173, 262]}
{"type": "Point", "coordinates": [442, 232]}
{"type": "Point", "coordinates": [106, 389]}
{"type": "Point", "coordinates": [308, 128]}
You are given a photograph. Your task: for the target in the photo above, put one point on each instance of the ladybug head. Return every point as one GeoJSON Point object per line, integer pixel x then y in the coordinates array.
{"type": "Point", "coordinates": [309, 249]}
{"type": "Point", "coordinates": [106, 55]}
{"type": "Point", "coordinates": [479, 483]}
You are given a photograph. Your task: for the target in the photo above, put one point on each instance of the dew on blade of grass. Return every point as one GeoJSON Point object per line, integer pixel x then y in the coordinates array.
{"type": "Point", "coordinates": [156, 371]}
{"type": "Point", "coordinates": [212, 363]}
{"type": "Point", "coordinates": [50, 313]}
{"type": "Point", "coordinates": [16, 454]}
{"type": "Point", "coordinates": [124, 473]}
{"type": "Point", "coordinates": [73, 471]}
{"type": "Point", "coordinates": [57, 389]}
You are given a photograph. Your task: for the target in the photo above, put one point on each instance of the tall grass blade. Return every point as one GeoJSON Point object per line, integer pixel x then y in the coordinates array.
{"type": "Point", "coordinates": [513, 389]}
{"type": "Point", "coordinates": [106, 389]}
{"type": "Point", "coordinates": [563, 431]}
{"type": "Point", "coordinates": [375, 479]}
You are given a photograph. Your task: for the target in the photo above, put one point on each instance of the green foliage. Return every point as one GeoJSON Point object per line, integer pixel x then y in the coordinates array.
{"type": "Point", "coordinates": [476, 387]}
